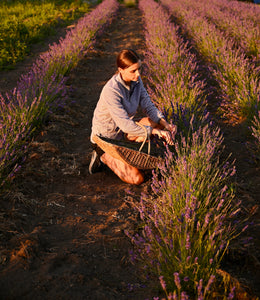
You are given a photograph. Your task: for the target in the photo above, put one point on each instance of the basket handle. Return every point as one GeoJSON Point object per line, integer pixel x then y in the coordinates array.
{"type": "Point", "coordinates": [146, 138]}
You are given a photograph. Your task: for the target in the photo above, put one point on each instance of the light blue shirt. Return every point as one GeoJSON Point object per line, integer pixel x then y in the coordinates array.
{"type": "Point", "coordinates": [118, 104]}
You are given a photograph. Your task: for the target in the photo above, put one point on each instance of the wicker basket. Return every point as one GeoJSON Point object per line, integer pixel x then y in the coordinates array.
{"type": "Point", "coordinates": [128, 152]}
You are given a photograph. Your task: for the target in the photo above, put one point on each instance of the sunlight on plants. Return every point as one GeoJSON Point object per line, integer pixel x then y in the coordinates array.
{"type": "Point", "coordinates": [24, 23]}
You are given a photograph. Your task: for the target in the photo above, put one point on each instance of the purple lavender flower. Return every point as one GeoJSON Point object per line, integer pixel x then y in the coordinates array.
{"type": "Point", "coordinates": [232, 293]}
{"type": "Point", "coordinates": [184, 296]}
{"type": "Point", "coordinates": [187, 245]}
{"type": "Point", "coordinates": [211, 280]}
{"type": "Point", "coordinates": [162, 282]}
{"type": "Point", "coordinates": [199, 289]}
{"type": "Point", "coordinates": [177, 280]}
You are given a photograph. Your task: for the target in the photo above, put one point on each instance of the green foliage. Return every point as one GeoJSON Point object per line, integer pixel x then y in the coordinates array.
{"type": "Point", "coordinates": [26, 22]}
{"type": "Point", "coordinates": [130, 3]}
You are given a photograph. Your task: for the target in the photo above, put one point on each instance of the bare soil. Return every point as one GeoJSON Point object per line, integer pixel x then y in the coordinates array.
{"type": "Point", "coordinates": [61, 229]}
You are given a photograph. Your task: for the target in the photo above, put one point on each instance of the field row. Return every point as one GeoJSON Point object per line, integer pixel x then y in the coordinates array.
{"type": "Point", "coordinates": [189, 219]}
{"type": "Point", "coordinates": [235, 72]}
{"type": "Point", "coordinates": [240, 25]}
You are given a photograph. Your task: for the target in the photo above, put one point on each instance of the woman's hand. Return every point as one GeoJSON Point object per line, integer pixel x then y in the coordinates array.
{"type": "Point", "coordinates": [172, 128]}
{"type": "Point", "coordinates": [167, 126]}
{"type": "Point", "coordinates": [166, 135]}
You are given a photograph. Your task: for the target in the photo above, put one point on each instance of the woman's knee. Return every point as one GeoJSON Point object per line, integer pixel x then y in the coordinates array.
{"type": "Point", "coordinates": [125, 172]}
{"type": "Point", "coordinates": [137, 179]}
{"type": "Point", "coordinates": [131, 176]}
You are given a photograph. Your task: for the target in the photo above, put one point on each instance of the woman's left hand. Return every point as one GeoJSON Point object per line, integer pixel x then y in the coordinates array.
{"type": "Point", "coordinates": [172, 128]}
{"type": "Point", "coordinates": [166, 135]}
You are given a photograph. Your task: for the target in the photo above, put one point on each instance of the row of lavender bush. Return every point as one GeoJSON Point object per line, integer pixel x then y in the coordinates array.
{"type": "Point", "coordinates": [43, 88]}
{"type": "Point", "coordinates": [246, 33]}
{"type": "Point", "coordinates": [173, 71]}
{"type": "Point", "coordinates": [236, 74]}
{"type": "Point", "coordinates": [189, 218]}
{"type": "Point", "coordinates": [244, 10]}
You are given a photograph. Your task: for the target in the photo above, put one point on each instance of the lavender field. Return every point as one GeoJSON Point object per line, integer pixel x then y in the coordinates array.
{"type": "Point", "coordinates": [191, 230]}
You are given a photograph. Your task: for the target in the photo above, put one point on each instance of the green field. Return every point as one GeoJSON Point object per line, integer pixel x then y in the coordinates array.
{"type": "Point", "coordinates": [25, 22]}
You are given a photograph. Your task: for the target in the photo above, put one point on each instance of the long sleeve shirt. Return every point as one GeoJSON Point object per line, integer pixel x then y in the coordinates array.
{"type": "Point", "coordinates": [118, 104]}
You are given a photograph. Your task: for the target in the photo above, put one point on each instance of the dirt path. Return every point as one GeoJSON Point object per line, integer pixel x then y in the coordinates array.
{"type": "Point", "coordinates": [64, 237]}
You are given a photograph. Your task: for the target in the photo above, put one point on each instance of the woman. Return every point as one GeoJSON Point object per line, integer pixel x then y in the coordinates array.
{"type": "Point", "coordinates": [119, 101]}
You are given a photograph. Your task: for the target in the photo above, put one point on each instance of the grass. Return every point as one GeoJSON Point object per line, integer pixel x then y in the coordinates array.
{"type": "Point", "coordinates": [24, 23]}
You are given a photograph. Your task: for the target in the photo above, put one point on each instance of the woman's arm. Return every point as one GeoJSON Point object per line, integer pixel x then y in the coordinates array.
{"type": "Point", "coordinates": [168, 132]}
{"type": "Point", "coordinates": [167, 126]}
{"type": "Point", "coordinates": [120, 116]}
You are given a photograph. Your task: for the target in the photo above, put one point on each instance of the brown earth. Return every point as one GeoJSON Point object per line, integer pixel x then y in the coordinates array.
{"type": "Point", "coordinates": [62, 230]}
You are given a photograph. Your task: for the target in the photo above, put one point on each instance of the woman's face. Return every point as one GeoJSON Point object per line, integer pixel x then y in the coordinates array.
{"type": "Point", "coordinates": [131, 73]}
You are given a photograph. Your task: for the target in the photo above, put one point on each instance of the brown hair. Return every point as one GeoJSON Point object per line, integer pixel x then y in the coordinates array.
{"type": "Point", "coordinates": [126, 58]}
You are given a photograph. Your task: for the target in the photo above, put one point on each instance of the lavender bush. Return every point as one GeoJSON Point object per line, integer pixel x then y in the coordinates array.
{"type": "Point", "coordinates": [172, 69]}
{"type": "Point", "coordinates": [191, 215]}
{"type": "Point", "coordinates": [43, 88]}
{"type": "Point", "coordinates": [244, 32]}
{"type": "Point", "coordinates": [245, 11]}
{"type": "Point", "coordinates": [172, 72]}
{"type": "Point", "coordinates": [189, 218]}
{"type": "Point", "coordinates": [236, 75]}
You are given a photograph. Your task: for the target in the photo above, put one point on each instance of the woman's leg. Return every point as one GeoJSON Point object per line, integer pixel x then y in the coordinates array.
{"type": "Point", "coordinates": [124, 171]}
